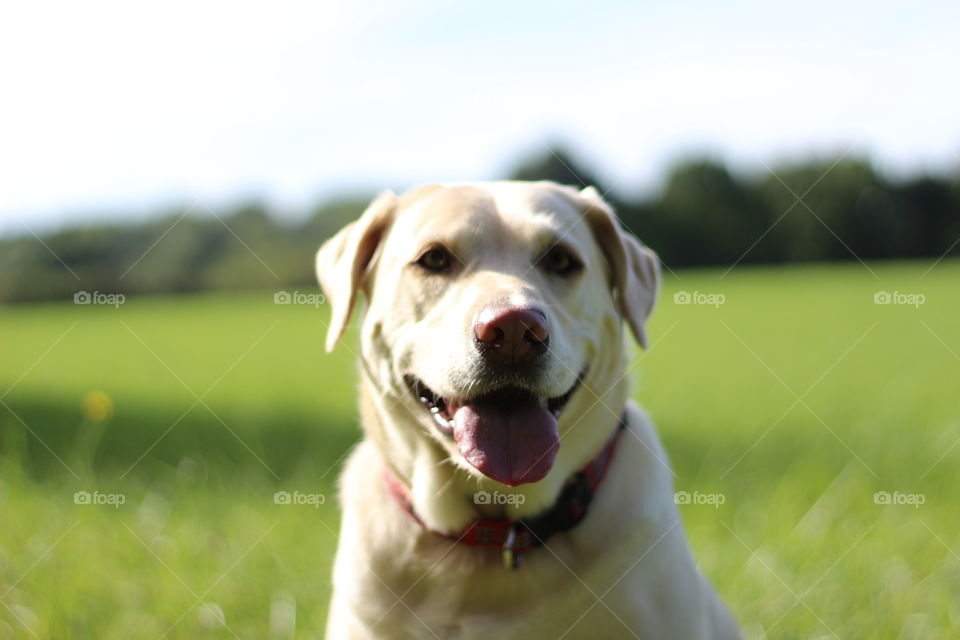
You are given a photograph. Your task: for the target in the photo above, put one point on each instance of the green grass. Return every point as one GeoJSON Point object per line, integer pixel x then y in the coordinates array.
{"type": "Point", "coordinates": [799, 549]}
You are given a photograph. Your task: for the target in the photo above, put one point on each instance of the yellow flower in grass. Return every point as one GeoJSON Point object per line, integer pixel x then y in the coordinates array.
{"type": "Point", "coordinates": [97, 406]}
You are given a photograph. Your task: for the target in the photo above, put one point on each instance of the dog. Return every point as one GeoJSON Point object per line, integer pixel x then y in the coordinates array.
{"type": "Point", "coordinates": [506, 486]}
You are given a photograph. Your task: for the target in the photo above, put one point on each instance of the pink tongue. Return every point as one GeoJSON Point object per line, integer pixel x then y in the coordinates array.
{"type": "Point", "coordinates": [514, 441]}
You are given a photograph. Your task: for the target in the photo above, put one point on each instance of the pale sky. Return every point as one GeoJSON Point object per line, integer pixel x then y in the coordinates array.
{"type": "Point", "coordinates": [121, 107]}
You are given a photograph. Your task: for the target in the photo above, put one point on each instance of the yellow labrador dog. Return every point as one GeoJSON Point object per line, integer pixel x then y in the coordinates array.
{"type": "Point", "coordinates": [506, 487]}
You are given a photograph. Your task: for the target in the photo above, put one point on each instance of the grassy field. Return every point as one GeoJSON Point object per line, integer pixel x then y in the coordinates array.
{"type": "Point", "coordinates": [786, 405]}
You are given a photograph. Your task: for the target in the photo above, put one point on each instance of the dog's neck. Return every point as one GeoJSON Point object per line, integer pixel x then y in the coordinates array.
{"type": "Point", "coordinates": [516, 537]}
{"type": "Point", "coordinates": [443, 490]}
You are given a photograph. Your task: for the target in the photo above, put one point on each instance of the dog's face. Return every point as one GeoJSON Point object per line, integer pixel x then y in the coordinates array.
{"type": "Point", "coordinates": [493, 309]}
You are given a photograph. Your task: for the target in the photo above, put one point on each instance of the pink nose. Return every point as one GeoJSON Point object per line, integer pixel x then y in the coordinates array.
{"type": "Point", "coordinates": [513, 334]}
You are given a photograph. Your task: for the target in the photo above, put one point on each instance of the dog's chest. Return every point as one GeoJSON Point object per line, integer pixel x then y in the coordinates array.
{"type": "Point", "coordinates": [546, 597]}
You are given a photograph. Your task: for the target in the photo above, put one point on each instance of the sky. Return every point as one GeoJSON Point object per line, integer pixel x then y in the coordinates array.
{"type": "Point", "coordinates": [120, 109]}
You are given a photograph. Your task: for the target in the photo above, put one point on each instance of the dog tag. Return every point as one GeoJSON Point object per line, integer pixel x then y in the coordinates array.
{"type": "Point", "coordinates": [511, 559]}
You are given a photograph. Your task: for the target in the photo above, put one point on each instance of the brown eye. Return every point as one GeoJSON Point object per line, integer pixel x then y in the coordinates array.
{"type": "Point", "coordinates": [436, 260]}
{"type": "Point", "coordinates": [560, 262]}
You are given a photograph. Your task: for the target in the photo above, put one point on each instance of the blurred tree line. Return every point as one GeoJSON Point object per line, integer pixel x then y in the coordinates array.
{"type": "Point", "coordinates": [704, 215]}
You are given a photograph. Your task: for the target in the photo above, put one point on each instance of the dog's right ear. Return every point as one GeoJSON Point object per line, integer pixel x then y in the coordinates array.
{"type": "Point", "coordinates": [343, 261]}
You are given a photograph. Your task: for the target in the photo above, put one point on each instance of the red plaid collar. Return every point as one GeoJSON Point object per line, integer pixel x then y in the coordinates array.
{"type": "Point", "coordinates": [516, 537]}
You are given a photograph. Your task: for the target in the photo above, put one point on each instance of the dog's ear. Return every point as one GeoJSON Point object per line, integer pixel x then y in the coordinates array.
{"type": "Point", "coordinates": [344, 259]}
{"type": "Point", "coordinates": [635, 268]}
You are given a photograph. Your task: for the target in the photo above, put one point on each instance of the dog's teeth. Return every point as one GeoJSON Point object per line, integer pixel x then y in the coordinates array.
{"type": "Point", "coordinates": [434, 409]}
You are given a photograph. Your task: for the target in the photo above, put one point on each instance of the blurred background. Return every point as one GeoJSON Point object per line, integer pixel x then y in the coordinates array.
{"type": "Point", "coordinates": [168, 172]}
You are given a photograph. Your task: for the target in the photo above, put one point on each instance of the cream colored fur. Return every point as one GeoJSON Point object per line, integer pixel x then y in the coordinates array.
{"type": "Point", "coordinates": [626, 570]}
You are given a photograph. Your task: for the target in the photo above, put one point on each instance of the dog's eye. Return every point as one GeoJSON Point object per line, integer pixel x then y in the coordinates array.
{"type": "Point", "coordinates": [560, 262]}
{"type": "Point", "coordinates": [436, 260]}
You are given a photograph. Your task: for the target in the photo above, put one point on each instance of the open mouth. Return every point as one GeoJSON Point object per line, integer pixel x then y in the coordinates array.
{"type": "Point", "coordinates": [509, 434]}
{"type": "Point", "coordinates": [440, 407]}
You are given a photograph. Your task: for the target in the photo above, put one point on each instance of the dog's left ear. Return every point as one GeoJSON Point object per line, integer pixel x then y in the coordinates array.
{"type": "Point", "coordinates": [636, 269]}
{"type": "Point", "coordinates": [343, 261]}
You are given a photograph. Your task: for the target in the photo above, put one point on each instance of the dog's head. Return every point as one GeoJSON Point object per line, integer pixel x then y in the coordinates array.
{"type": "Point", "coordinates": [494, 318]}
